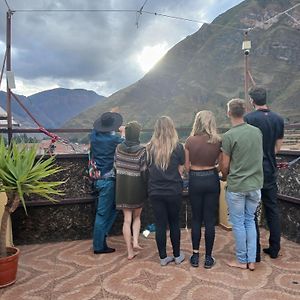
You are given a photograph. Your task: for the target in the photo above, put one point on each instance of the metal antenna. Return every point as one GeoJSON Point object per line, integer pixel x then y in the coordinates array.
{"type": "Point", "coordinates": [139, 13]}
{"type": "Point", "coordinates": [7, 5]}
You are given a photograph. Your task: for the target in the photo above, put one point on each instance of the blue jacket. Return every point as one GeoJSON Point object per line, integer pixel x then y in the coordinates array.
{"type": "Point", "coordinates": [103, 147]}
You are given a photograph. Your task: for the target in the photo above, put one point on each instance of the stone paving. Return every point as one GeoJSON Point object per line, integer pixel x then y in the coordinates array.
{"type": "Point", "coordinates": [70, 270]}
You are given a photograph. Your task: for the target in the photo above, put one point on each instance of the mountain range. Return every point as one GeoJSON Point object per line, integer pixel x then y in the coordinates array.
{"type": "Point", "coordinates": [52, 108]}
{"type": "Point", "coordinates": [206, 69]}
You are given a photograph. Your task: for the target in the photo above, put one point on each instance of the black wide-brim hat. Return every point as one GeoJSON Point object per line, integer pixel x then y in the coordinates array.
{"type": "Point", "coordinates": [109, 121]}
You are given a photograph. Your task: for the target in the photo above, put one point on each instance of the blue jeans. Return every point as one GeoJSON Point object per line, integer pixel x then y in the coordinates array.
{"type": "Point", "coordinates": [105, 212]}
{"type": "Point", "coordinates": [242, 207]}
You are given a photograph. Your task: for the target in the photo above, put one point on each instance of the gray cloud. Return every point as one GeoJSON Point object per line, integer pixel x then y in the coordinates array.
{"type": "Point", "coordinates": [96, 46]}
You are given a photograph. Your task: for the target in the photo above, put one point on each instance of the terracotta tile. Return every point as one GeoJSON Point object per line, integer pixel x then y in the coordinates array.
{"type": "Point", "coordinates": [70, 270]}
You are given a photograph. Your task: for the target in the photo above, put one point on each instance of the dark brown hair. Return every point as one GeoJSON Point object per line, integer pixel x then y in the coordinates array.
{"type": "Point", "coordinates": [258, 95]}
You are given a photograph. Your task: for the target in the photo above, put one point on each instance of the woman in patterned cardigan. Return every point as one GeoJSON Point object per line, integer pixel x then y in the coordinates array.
{"type": "Point", "coordinates": [130, 164]}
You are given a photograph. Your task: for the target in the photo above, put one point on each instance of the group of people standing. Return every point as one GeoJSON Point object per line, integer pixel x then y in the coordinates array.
{"type": "Point", "coordinates": [244, 156]}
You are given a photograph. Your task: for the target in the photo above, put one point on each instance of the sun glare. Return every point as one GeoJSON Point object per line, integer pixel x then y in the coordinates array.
{"type": "Point", "coordinates": [151, 55]}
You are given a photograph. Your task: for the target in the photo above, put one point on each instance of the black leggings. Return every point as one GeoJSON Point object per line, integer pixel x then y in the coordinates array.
{"type": "Point", "coordinates": [166, 211]}
{"type": "Point", "coordinates": [204, 191]}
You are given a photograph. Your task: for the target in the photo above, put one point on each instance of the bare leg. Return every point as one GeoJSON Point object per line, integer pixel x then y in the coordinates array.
{"type": "Point", "coordinates": [136, 226]}
{"type": "Point", "coordinates": [127, 232]}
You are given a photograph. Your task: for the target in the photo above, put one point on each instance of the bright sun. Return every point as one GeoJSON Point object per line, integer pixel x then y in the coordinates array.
{"type": "Point", "coordinates": [151, 55]}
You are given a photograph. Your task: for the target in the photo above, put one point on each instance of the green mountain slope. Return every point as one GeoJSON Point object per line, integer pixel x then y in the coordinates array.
{"type": "Point", "coordinates": [206, 69]}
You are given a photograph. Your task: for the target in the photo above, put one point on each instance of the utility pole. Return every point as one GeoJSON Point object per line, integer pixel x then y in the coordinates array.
{"type": "Point", "coordinates": [246, 47]}
{"type": "Point", "coordinates": [8, 68]}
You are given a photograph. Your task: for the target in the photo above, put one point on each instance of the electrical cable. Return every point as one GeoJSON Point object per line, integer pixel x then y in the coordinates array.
{"type": "Point", "coordinates": [7, 5]}
{"type": "Point", "coordinates": [75, 10]}
{"type": "Point", "coordinates": [141, 10]}
{"type": "Point", "coordinates": [139, 13]}
{"type": "Point", "coordinates": [2, 70]}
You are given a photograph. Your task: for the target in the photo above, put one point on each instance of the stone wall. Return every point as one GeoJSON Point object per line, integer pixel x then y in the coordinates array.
{"type": "Point", "coordinates": [72, 217]}
{"type": "Point", "coordinates": [289, 197]}
{"type": "Point", "coordinates": [70, 221]}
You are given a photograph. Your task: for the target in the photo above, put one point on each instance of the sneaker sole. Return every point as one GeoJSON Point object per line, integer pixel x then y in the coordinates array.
{"type": "Point", "coordinates": [179, 262]}
{"type": "Point", "coordinates": [209, 267]}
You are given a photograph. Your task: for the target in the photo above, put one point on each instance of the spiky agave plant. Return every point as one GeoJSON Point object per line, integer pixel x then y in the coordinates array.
{"type": "Point", "coordinates": [22, 174]}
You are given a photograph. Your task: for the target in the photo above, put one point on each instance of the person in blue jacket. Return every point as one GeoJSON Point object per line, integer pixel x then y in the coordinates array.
{"type": "Point", "coordinates": [103, 143]}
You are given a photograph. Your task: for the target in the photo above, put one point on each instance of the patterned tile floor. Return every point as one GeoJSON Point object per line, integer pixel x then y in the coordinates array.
{"type": "Point", "coordinates": [70, 270]}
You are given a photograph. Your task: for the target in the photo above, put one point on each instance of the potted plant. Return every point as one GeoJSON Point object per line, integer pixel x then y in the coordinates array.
{"type": "Point", "coordinates": [21, 174]}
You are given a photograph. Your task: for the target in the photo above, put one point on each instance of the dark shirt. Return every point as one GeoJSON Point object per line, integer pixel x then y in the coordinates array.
{"type": "Point", "coordinates": [202, 153]}
{"type": "Point", "coordinates": [103, 147]}
{"type": "Point", "coordinates": [168, 182]}
{"type": "Point", "coordinates": [272, 128]}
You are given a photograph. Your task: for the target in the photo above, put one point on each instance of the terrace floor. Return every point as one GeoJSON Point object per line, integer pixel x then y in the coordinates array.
{"type": "Point", "coordinates": [70, 270]}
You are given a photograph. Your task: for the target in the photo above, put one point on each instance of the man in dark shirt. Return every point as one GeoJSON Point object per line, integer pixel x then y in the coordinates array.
{"type": "Point", "coordinates": [272, 128]}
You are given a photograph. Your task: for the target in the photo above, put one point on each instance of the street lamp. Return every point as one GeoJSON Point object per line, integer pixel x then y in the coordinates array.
{"type": "Point", "coordinates": [246, 46]}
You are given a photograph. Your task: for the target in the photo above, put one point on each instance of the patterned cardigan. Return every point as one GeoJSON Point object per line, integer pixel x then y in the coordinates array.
{"type": "Point", "coordinates": [131, 169]}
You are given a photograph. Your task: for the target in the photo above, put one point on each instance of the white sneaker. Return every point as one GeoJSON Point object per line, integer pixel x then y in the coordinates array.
{"type": "Point", "coordinates": [180, 258]}
{"type": "Point", "coordinates": [166, 260]}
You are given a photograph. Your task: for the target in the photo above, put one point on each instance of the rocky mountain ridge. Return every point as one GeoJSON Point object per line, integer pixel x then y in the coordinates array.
{"type": "Point", "coordinates": [206, 69]}
{"type": "Point", "coordinates": [52, 108]}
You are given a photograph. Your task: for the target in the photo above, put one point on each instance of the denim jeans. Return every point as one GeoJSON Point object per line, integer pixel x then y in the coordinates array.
{"type": "Point", "coordinates": [242, 207]}
{"type": "Point", "coordinates": [105, 212]}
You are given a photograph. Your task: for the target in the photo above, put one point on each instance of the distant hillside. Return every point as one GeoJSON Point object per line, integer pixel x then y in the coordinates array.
{"type": "Point", "coordinates": [18, 115]}
{"type": "Point", "coordinates": [52, 108]}
{"type": "Point", "coordinates": [206, 69]}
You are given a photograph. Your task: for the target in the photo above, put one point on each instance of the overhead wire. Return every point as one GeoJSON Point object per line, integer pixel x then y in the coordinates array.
{"type": "Point", "coordinates": [139, 13]}
{"type": "Point", "coordinates": [195, 21]}
{"type": "Point", "coordinates": [7, 5]}
{"type": "Point", "coordinates": [127, 11]}
{"type": "Point", "coordinates": [141, 10]}
{"type": "Point", "coordinates": [75, 10]}
{"type": "Point", "coordinates": [2, 69]}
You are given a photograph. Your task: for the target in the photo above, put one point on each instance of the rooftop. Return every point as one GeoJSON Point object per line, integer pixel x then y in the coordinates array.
{"type": "Point", "coordinates": [70, 270]}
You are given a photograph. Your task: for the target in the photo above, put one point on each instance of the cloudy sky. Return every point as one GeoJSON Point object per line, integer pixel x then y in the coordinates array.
{"type": "Point", "coordinates": [100, 51]}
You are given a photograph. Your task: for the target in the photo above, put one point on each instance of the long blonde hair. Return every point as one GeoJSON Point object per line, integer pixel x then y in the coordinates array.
{"type": "Point", "coordinates": [163, 142]}
{"type": "Point", "coordinates": [205, 123]}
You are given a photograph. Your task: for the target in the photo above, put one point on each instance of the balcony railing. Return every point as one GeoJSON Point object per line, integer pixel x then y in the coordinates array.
{"type": "Point", "coordinates": [73, 216]}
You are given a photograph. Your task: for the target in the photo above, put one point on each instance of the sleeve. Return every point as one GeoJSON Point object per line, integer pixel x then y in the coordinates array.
{"type": "Point", "coordinates": [181, 154]}
{"type": "Point", "coordinates": [143, 161]}
{"type": "Point", "coordinates": [280, 129]}
{"type": "Point", "coordinates": [226, 145]}
{"type": "Point", "coordinates": [92, 136]}
{"type": "Point", "coordinates": [119, 139]}
{"type": "Point", "coordinates": [115, 158]}
{"type": "Point", "coordinates": [144, 169]}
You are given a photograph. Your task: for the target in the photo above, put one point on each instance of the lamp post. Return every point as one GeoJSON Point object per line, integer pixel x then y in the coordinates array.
{"type": "Point", "coordinates": [246, 46]}
{"type": "Point", "coordinates": [8, 69]}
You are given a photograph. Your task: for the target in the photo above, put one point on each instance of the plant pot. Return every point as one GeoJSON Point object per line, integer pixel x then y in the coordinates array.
{"type": "Point", "coordinates": [9, 266]}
